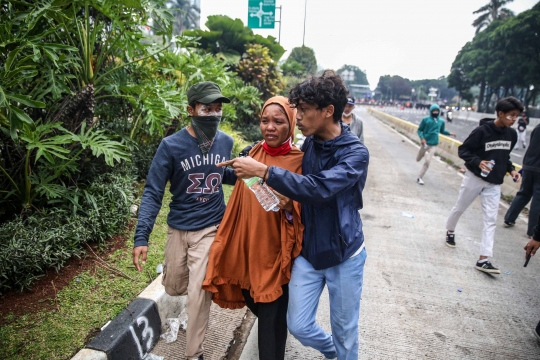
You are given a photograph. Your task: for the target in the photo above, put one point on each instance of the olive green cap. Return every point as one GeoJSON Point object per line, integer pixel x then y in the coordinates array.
{"type": "Point", "coordinates": [206, 92]}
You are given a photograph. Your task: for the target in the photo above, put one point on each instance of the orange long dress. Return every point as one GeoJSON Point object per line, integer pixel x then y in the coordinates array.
{"type": "Point", "coordinates": [254, 249]}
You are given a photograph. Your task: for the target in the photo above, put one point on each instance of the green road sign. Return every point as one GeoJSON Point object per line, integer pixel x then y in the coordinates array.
{"type": "Point", "coordinates": [261, 14]}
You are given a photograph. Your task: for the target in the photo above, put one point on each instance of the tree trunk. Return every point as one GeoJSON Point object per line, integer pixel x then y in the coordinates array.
{"type": "Point", "coordinates": [487, 102]}
{"type": "Point", "coordinates": [481, 96]}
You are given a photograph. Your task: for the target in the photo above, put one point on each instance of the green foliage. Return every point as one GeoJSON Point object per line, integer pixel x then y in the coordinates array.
{"type": "Point", "coordinates": [245, 101]}
{"type": "Point", "coordinates": [228, 38]}
{"type": "Point", "coordinates": [40, 241]}
{"type": "Point", "coordinates": [239, 142]}
{"type": "Point", "coordinates": [289, 82]}
{"type": "Point", "coordinates": [259, 70]}
{"type": "Point", "coordinates": [292, 68]}
{"type": "Point", "coordinates": [86, 303]}
{"type": "Point", "coordinates": [360, 77]}
{"type": "Point", "coordinates": [502, 60]}
{"type": "Point", "coordinates": [81, 94]}
{"type": "Point", "coordinates": [304, 56]}
{"type": "Point", "coordinates": [252, 132]}
{"type": "Point", "coordinates": [47, 153]}
{"type": "Point", "coordinates": [490, 12]}
{"type": "Point", "coordinates": [58, 56]}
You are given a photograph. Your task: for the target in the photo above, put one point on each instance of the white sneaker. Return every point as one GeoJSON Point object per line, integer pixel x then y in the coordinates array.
{"type": "Point", "coordinates": [420, 181]}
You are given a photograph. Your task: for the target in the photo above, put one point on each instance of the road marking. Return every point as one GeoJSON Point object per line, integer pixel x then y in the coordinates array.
{"type": "Point", "coordinates": [513, 153]}
{"type": "Point", "coordinates": [506, 206]}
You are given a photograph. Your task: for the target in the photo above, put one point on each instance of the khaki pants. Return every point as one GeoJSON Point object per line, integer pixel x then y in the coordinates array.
{"type": "Point", "coordinates": [184, 270]}
{"type": "Point", "coordinates": [427, 154]}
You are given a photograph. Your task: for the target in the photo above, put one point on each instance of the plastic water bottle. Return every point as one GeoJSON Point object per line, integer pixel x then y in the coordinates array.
{"type": "Point", "coordinates": [490, 165]}
{"type": "Point", "coordinates": [266, 197]}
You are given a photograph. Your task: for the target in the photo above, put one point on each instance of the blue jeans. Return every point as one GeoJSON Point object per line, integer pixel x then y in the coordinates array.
{"type": "Point", "coordinates": [344, 283]}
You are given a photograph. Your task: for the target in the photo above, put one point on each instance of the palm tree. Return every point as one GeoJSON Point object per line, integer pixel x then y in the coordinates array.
{"type": "Point", "coordinates": [186, 13]}
{"type": "Point", "coordinates": [490, 12]}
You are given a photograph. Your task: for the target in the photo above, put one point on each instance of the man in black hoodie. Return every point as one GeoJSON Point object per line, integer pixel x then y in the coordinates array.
{"type": "Point", "coordinates": [530, 186]}
{"type": "Point", "coordinates": [487, 157]}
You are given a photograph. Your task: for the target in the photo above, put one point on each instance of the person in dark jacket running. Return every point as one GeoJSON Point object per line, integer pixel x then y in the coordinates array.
{"type": "Point", "coordinates": [530, 185]}
{"type": "Point", "coordinates": [487, 157]}
{"type": "Point", "coordinates": [530, 250]}
{"type": "Point", "coordinates": [334, 171]}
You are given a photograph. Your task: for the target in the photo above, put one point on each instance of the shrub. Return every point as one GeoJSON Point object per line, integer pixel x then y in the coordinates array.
{"type": "Point", "coordinates": [251, 133]}
{"type": "Point", "coordinates": [37, 242]}
{"type": "Point", "coordinates": [259, 70]}
{"type": "Point", "coordinates": [239, 142]}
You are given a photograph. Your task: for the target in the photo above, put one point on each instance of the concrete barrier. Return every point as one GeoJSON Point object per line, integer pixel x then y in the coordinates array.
{"type": "Point", "coordinates": [136, 330]}
{"type": "Point", "coordinates": [475, 117]}
{"type": "Point", "coordinates": [448, 147]}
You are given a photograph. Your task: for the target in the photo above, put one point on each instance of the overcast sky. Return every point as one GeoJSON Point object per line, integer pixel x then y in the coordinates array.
{"type": "Point", "coordinates": [416, 39]}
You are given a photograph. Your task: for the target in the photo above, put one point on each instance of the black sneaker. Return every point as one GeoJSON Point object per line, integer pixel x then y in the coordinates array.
{"type": "Point", "coordinates": [487, 268]}
{"type": "Point", "coordinates": [509, 224]}
{"type": "Point", "coordinates": [537, 331]}
{"type": "Point", "coordinates": [450, 240]}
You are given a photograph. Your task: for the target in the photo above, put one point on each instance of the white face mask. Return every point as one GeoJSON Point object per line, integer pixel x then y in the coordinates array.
{"type": "Point", "coordinates": [347, 114]}
{"type": "Point", "coordinates": [205, 110]}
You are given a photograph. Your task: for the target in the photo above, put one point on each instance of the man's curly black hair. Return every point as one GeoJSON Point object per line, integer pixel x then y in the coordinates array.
{"type": "Point", "coordinates": [324, 90]}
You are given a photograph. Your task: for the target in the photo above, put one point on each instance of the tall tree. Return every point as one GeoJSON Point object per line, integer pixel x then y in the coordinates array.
{"type": "Point", "coordinates": [360, 77]}
{"type": "Point", "coordinates": [186, 15]}
{"type": "Point", "coordinates": [228, 38]}
{"type": "Point", "coordinates": [394, 87]}
{"type": "Point", "coordinates": [305, 56]}
{"type": "Point", "coordinates": [492, 11]}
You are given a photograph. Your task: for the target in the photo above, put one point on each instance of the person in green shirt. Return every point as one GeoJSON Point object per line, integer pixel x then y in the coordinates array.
{"type": "Point", "coordinates": [428, 131]}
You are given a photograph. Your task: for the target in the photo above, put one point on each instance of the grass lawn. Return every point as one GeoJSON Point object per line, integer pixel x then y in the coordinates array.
{"type": "Point", "coordinates": [90, 300]}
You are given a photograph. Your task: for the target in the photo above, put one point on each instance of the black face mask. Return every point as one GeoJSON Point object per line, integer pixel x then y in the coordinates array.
{"type": "Point", "coordinates": [435, 115]}
{"type": "Point", "coordinates": [205, 128]}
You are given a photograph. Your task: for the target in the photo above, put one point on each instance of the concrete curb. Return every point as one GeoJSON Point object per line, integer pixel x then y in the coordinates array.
{"type": "Point", "coordinates": [134, 332]}
{"type": "Point", "coordinates": [448, 147]}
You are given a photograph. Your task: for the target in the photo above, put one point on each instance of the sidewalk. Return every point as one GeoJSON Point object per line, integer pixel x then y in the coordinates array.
{"type": "Point", "coordinates": [411, 304]}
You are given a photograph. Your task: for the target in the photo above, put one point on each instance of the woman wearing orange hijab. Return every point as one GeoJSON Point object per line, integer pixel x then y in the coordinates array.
{"type": "Point", "coordinates": [251, 258]}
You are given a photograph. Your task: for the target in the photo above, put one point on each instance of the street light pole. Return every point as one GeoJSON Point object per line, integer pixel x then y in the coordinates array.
{"type": "Point", "coordinates": [304, 36]}
{"type": "Point", "coordinates": [280, 11]}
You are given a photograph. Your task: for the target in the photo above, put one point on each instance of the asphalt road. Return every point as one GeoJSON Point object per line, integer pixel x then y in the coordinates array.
{"type": "Point", "coordinates": [462, 128]}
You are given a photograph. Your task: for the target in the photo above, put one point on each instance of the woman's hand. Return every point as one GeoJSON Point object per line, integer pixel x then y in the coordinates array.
{"type": "Point", "coordinates": [284, 202]}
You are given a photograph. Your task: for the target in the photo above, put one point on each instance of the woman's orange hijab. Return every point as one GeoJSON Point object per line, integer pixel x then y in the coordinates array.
{"type": "Point", "coordinates": [289, 111]}
{"type": "Point", "coordinates": [254, 249]}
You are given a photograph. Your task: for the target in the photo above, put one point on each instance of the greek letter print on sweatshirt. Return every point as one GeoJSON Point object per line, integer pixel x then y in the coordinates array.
{"type": "Point", "coordinates": [197, 197]}
{"type": "Point", "coordinates": [488, 142]}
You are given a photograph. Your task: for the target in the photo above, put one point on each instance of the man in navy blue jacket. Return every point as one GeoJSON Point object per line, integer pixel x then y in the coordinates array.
{"type": "Point", "coordinates": [334, 171]}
